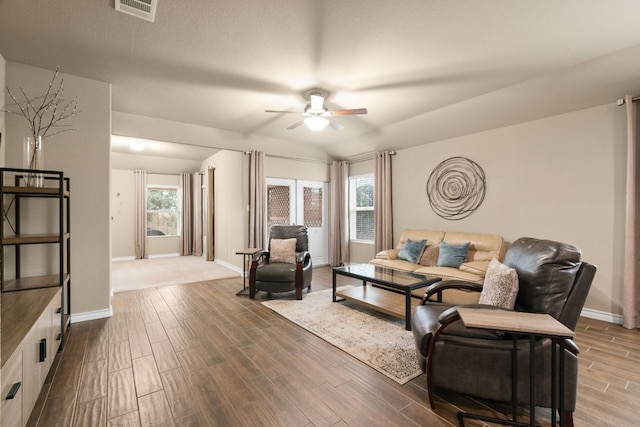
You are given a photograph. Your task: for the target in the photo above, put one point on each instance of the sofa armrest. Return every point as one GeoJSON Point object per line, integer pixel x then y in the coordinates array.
{"type": "Point", "coordinates": [438, 287]}
{"type": "Point", "coordinates": [475, 267]}
{"type": "Point", "coordinates": [388, 254]}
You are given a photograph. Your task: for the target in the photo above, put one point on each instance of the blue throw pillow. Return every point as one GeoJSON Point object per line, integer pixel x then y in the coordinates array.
{"type": "Point", "coordinates": [411, 250]}
{"type": "Point", "coordinates": [452, 255]}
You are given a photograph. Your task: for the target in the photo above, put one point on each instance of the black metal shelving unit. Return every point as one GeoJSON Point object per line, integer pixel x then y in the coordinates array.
{"type": "Point", "coordinates": [17, 185]}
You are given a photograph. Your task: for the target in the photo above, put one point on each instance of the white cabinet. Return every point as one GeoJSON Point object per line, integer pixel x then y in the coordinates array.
{"type": "Point", "coordinates": [30, 362]}
{"type": "Point", "coordinates": [12, 392]}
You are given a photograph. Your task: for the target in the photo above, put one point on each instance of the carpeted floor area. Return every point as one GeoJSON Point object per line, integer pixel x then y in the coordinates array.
{"type": "Point", "coordinates": [148, 273]}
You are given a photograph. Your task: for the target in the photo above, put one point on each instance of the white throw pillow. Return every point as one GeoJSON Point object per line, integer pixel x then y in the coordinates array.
{"type": "Point", "coordinates": [500, 285]}
{"type": "Point", "coordinates": [282, 250]}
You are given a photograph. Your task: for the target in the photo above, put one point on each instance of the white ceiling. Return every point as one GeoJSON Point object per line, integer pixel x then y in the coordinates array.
{"type": "Point", "coordinates": [426, 70]}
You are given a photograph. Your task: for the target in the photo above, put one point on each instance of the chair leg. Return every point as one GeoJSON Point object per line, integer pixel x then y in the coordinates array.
{"type": "Point", "coordinates": [299, 280]}
{"type": "Point", "coordinates": [252, 280]}
{"type": "Point", "coordinates": [568, 418]}
{"type": "Point", "coordinates": [430, 385]}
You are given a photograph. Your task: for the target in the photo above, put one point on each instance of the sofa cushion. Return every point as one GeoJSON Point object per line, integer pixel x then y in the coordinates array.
{"type": "Point", "coordinates": [411, 250]}
{"type": "Point", "coordinates": [500, 285]}
{"type": "Point", "coordinates": [431, 236]}
{"type": "Point", "coordinates": [429, 255]}
{"type": "Point", "coordinates": [282, 250]}
{"type": "Point", "coordinates": [483, 246]}
{"type": "Point", "coordinates": [452, 255]}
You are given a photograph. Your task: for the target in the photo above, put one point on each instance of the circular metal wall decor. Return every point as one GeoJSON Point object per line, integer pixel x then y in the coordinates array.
{"type": "Point", "coordinates": [456, 188]}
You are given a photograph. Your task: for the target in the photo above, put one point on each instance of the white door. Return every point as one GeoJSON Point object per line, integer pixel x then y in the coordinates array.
{"type": "Point", "coordinates": [311, 210]}
{"type": "Point", "coordinates": [290, 201]}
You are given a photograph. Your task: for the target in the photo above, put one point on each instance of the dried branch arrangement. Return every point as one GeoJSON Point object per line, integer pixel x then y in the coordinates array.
{"type": "Point", "coordinates": [45, 114]}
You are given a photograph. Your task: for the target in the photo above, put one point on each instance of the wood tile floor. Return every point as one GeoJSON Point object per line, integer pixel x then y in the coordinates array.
{"type": "Point", "coordinates": [198, 355]}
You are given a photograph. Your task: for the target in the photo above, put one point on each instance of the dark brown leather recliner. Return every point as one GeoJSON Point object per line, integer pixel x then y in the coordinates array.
{"type": "Point", "coordinates": [552, 279]}
{"type": "Point", "coordinates": [279, 276]}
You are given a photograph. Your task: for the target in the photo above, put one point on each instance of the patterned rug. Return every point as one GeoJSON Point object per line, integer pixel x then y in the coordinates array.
{"type": "Point", "coordinates": [374, 338]}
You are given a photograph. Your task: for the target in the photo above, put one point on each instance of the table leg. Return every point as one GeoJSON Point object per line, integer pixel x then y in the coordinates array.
{"type": "Point", "coordinates": [244, 271]}
{"type": "Point", "coordinates": [407, 308]}
{"type": "Point", "coordinates": [532, 380]}
{"type": "Point", "coordinates": [244, 276]}
{"type": "Point", "coordinates": [514, 378]}
{"type": "Point", "coordinates": [553, 381]}
{"type": "Point", "coordinates": [334, 286]}
{"type": "Point", "coordinates": [563, 420]}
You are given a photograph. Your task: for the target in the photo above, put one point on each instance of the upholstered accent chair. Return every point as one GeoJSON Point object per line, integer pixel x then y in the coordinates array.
{"type": "Point", "coordinates": [285, 265]}
{"type": "Point", "coordinates": [552, 279]}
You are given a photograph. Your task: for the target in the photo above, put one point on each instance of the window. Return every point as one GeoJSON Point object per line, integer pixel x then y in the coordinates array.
{"type": "Point", "coordinates": [361, 218]}
{"type": "Point", "coordinates": [278, 205]}
{"type": "Point", "coordinates": [163, 213]}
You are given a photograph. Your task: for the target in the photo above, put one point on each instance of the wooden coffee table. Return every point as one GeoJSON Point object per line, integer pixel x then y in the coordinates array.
{"type": "Point", "coordinates": [392, 296]}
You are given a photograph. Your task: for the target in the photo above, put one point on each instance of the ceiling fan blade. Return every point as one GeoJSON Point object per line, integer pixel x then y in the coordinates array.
{"type": "Point", "coordinates": [317, 103]}
{"type": "Point", "coordinates": [281, 111]}
{"type": "Point", "coordinates": [335, 125]}
{"type": "Point", "coordinates": [295, 125]}
{"type": "Point", "coordinates": [348, 112]}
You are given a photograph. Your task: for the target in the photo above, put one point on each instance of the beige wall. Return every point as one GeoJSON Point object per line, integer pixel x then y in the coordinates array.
{"type": "Point", "coordinates": [123, 216]}
{"type": "Point", "coordinates": [83, 155]}
{"type": "Point", "coordinates": [231, 189]}
{"type": "Point", "coordinates": [293, 169]}
{"type": "Point", "coordinates": [3, 65]}
{"type": "Point", "coordinates": [560, 178]}
{"type": "Point", "coordinates": [3, 72]}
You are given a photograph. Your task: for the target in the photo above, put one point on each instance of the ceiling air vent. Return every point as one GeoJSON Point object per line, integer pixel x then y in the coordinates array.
{"type": "Point", "coordinates": [145, 9]}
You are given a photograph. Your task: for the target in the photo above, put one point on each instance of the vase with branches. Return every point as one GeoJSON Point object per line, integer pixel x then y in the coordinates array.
{"type": "Point", "coordinates": [45, 116]}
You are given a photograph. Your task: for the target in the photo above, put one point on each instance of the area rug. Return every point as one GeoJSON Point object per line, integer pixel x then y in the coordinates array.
{"type": "Point", "coordinates": [374, 338]}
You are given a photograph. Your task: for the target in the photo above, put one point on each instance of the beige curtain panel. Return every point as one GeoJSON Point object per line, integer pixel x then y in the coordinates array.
{"type": "Point", "coordinates": [197, 217]}
{"type": "Point", "coordinates": [257, 200]}
{"type": "Point", "coordinates": [631, 286]}
{"type": "Point", "coordinates": [186, 232]}
{"type": "Point", "coordinates": [382, 201]}
{"type": "Point", "coordinates": [141, 213]}
{"type": "Point", "coordinates": [339, 241]}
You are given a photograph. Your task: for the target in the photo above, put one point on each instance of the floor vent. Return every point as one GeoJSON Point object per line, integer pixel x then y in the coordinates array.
{"type": "Point", "coordinates": [145, 9]}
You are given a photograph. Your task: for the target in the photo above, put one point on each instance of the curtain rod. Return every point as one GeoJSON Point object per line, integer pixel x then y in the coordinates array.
{"type": "Point", "coordinates": [621, 101]}
{"type": "Point", "coordinates": [165, 173]}
{"type": "Point", "coordinates": [362, 159]}
{"type": "Point", "coordinates": [297, 159]}
{"type": "Point", "coordinates": [368, 157]}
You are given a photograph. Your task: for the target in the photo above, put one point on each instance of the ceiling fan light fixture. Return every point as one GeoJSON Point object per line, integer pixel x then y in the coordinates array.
{"type": "Point", "coordinates": [316, 123]}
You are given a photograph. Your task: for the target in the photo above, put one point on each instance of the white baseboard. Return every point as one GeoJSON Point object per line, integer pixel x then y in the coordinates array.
{"type": "Point", "coordinates": [132, 258]}
{"type": "Point", "coordinates": [230, 266]}
{"type": "Point", "coordinates": [91, 315]}
{"type": "Point", "coordinates": [601, 315]}
{"type": "Point", "coordinates": [164, 255]}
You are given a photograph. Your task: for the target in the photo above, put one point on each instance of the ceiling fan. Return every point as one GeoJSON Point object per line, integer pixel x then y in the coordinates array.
{"type": "Point", "coordinates": [316, 115]}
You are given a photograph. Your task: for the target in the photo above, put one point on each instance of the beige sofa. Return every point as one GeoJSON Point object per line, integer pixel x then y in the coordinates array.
{"type": "Point", "coordinates": [482, 248]}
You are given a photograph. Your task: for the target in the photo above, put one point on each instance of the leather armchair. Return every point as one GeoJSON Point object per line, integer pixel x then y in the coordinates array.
{"type": "Point", "coordinates": [552, 279]}
{"type": "Point", "coordinates": [279, 276]}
